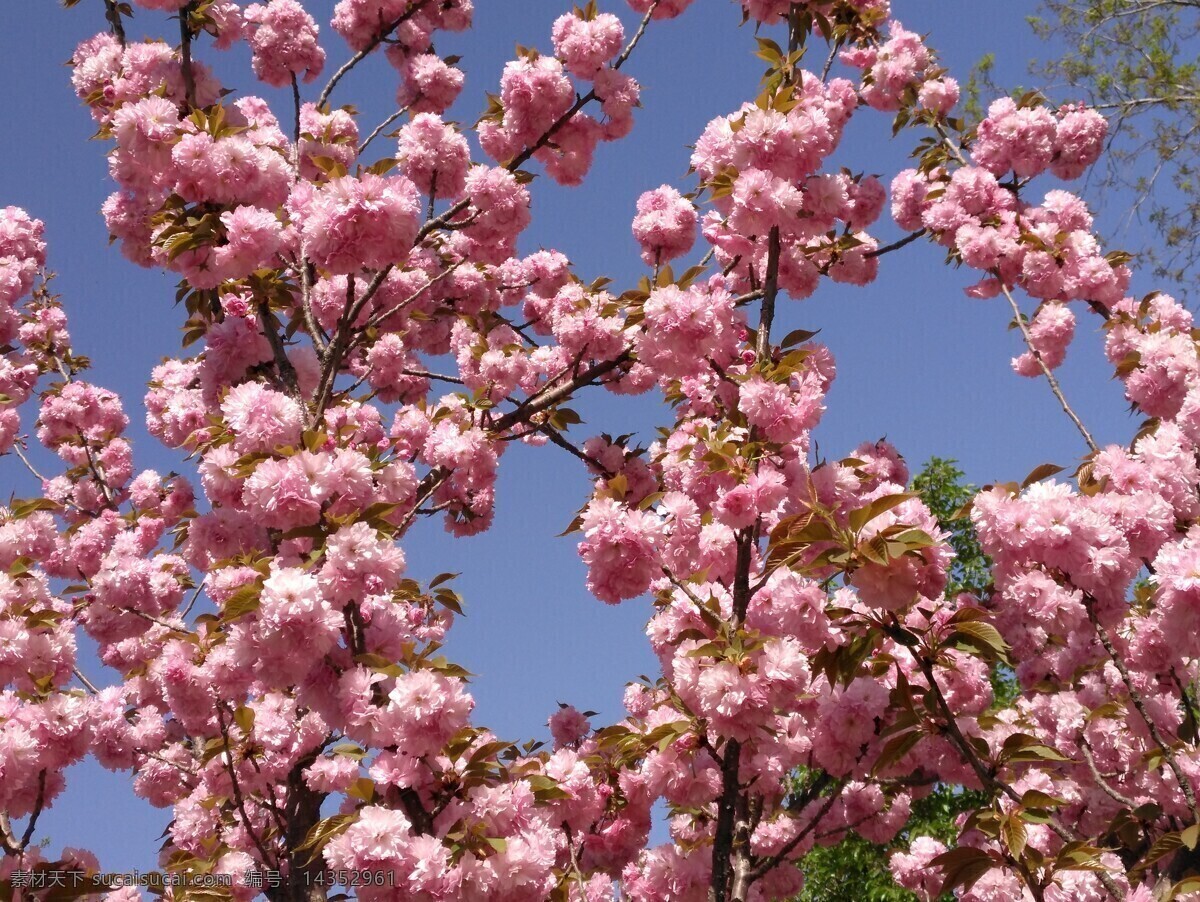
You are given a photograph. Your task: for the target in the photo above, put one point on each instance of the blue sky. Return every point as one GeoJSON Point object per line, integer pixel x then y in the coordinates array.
{"type": "Point", "coordinates": [918, 362]}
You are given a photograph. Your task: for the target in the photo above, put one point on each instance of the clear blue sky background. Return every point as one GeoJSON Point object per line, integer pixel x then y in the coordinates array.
{"type": "Point", "coordinates": [918, 362]}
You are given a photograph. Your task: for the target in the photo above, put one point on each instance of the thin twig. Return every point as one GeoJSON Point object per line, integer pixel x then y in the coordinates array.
{"type": "Point", "coordinates": [556, 438]}
{"type": "Point", "coordinates": [896, 245]}
{"type": "Point", "coordinates": [433, 377]}
{"type": "Point", "coordinates": [315, 332]}
{"type": "Point", "coordinates": [748, 298]}
{"type": "Point", "coordinates": [87, 684]}
{"type": "Point", "coordinates": [296, 121]}
{"type": "Point", "coordinates": [527, 154]}
{"type": "Point", "coordinates": [987, 778]}
{"type": "Point", "coordinates": [367, 50]}
{"type": "Point", "coordinates": [1049, 374]}
{"type": "Point", "coordinates": [149, 618]}
{"type": "Point", "coordinates": [764, 867]}
{"type": "Point", "coordinates": [191, 603]}
{"type": "Point", "coordinates": [548, 397]}
{"type": "Point", "coordinates": [28, 466]}
{"type": "Point", "coordinates": [637, 35]}
{"type": "Point", "coordinates": [98, 474]}
{"type": "Point", "coordinates": [1101, 783]}
{"type": "Point", "coordinates": [379, 129]}
{"type": "Point", "coordinates": [387, 314]}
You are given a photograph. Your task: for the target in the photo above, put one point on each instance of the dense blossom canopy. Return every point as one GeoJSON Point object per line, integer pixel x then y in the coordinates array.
{"type": "Point", "coordinates": [274, 678]}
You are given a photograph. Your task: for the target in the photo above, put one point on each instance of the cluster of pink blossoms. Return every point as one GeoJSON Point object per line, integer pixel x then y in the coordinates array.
{"type": "Point", "coordinates": [816, 679]}
{"type": "Point", "coordinates": [898, 66]}
{"type": "Point", "coordinates": [1047, 250]}
{"type": "Point", "coordinates": [22, 254]}
{"type": "Point", "coordinates": [283, 37]}
{"type": "Point", "coordinates": [665, 225]}
{"type": "Point", "coordinates": [1030, 140]}
{"type": "Point", "coordinates": [762, 165]}
{"type": "Point", "coordinates": [536, 95]}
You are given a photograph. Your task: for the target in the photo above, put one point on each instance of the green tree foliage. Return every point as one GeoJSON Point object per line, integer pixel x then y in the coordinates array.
{"type": "Point", "coordinates": [855, 870]}
{"type": "Point", "coordinates": [941, 487]}
{"type": "Point", "coordinates": [1137, 62]}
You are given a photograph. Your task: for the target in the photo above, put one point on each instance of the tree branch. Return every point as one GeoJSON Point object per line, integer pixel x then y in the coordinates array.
{"type": "Point", "coordinates": [287, 372]}
{"type": "Point", "coordinates": [765, 866]}
{"type": "Point", "coordinates": [113, 13]}
{"type": "Point", "coordinates": [239, 800]}
{"type": "Point", "coordinates": [37, 810]}
{"type": "Point", "coordinates": [185, 54]}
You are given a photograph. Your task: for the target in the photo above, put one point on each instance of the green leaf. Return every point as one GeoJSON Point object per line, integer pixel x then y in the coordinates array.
{"type": "Point", "coordinates": [1190, 836]}
{"type": "Point", "coordinates": [362, 789]}
{"type": "Point", "coordinates": [896, 748]}
{"type": "Point", "coordinates": [244, 601]}
{"type": "Point", "coordinates": [442, 578]}
{"type": "Point", "coordinates": [1013, 832]}
{"type": "Point", "coordinates": [382, 167]}
{"type": "Point", "coordinates": [962, 867]}
{"type": "Point", "coordinates": [1163, 846]}
{"type": "Point", "coordinates": [864, 515]}
{"type": "Point", "coordinates": [798, 337]}
{"type": "Point", "coordinates": [983, 637]}
{"type": "Point", "coordinates": [450, 600]}
{"type": "Point", "coordinates": [769, 51]}
{"type": "Point", "coordinates": [1035, 798]}
{"type": "Point", "coordinates": [1023, 747]}
{"type": "Point", "coordinates": [322, 832]}
{"type": "Point", "coordinates": [1186, 885]}
{"type": "Point", "coordinates": [1045, 471]}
